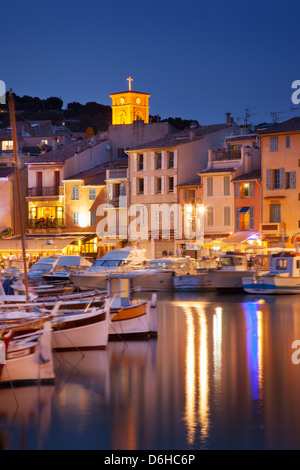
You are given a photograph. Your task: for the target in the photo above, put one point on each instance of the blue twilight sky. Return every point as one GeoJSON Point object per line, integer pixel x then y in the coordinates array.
{"type": "Point", "coordinates": [198, 59]}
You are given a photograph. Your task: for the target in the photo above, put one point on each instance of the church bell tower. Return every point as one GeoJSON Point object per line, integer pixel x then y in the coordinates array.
{"type": "Point", "coordinates": [129, 106]}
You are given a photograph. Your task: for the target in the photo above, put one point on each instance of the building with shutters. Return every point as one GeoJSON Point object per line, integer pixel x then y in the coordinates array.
{"type": "Point", "coordinates": [280, 146]}
{"type": "Point", "coordinates": [156, 170]}
{"type": "Point", "coordinates": [230, 195]}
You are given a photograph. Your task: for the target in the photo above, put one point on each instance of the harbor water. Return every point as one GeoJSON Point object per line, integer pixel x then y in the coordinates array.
{"type": "Point", "coordinates": [222, 373]}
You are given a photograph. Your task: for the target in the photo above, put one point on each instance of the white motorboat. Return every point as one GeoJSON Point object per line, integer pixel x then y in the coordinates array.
{"type": "Point", "coordinates": [283, 276]}
{"type": "Point", "coordinates": [158, 274]}
{"type": "Point", "coordinates": [232, 267]}
{"type": "Point", "coordinates": [65, 266]}
{"type": "Point", "coordinates": [119, 260]}
{"type": "Point", "coordinates": [41, 267]}
{"type": "Point", "coordinates": [191, 282]}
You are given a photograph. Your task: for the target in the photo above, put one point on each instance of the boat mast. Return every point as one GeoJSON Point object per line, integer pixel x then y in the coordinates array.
{"type": "Point", "coordinates": [16, 163]}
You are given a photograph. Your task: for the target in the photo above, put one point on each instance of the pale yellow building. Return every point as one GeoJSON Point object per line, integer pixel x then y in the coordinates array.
{"type": "Point", "coordinates": [280, 147]}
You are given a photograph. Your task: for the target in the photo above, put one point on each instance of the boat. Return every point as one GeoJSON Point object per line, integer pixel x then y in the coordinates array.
{"type": "Point", "coordinates": [82, 330]}
{"type": "Point", "coordinates": [283, 276]}
{"type": "Point", "coordinates": [41, 267]}
{"type": "Point", "coordinates": [26, 358]}
{"type": "Point", "coordinates": [228, 275]}
{"type": "Point", "coordinates": [119, 260]}
{"type": "Point", "coordinates": [128, 319]}
{"type": "Point", "coordinates": [158, 274]}
{"type": "Point", "coordinates": [192, 282]}
{"type": "Point", "coordinates": [66, 265]}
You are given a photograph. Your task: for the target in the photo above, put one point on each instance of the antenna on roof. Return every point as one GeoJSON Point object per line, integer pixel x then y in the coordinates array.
{"type": "Point", "coordinates": [275, 114]}
{"type": "Point", "coordinates": [248, 115]}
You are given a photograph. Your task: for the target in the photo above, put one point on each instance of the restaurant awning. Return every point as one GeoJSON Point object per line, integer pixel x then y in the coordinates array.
{"type": "Point", "coordinates": [240, 237]}
{"type": "Point", "coordinates": [243, 210]}
{"type": "Point", "coordinates": [35, 244]}
{"type": "Point", "coordinates": [109, 242]}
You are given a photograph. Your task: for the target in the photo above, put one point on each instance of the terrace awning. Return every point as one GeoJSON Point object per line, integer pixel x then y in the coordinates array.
{"type": "Point", "coordinates": [240, 237]}
{"type": "Point", "coordinates": [35, 244]}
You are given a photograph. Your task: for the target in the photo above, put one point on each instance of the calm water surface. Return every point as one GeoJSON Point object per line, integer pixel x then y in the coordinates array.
{"type": "Point", "coordinates": [219, 375]}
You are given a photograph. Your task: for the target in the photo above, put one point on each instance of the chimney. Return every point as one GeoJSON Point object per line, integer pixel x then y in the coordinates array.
{"type": "Point", "coordinates": [229, 119]}
{"type": "Point", "coordinates": [54, 143]}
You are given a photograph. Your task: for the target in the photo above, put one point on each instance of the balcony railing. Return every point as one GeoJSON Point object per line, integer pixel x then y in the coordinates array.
{"type": "Point", "coordinates": [45, 223]}
{"type": "Point", "coordinates": [45, 191]}
{"type": "Point", "coordinates": [227, 155]}
{"type": "Point", "coordinates": [116, 173]}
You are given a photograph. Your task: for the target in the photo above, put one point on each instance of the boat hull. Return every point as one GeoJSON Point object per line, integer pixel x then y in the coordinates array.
{"type": "Point", "coordinates": [133, 322]}
{"type": "Point", "coordinates": [80, 331]}
{"type": "Point", "coordinates": [271, 285]}
{"type": "Point", "coordinates": [146, 282]}
{"type": "Point", "coordinates": [89, 281]}
{"type": "Point", "coordinates": [29, 362]}
{"type": "Point", "coordinates": [191, 283]}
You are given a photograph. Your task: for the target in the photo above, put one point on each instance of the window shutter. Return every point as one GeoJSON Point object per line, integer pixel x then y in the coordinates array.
{"type": "Point", "coordinates": [163, 184]}
{"type": "Point", "coordinates": [281, 178]}
{"type": "Point", "coordinates": [293, 180]}
{"type": "Point", "coordinates": [237, 218]}
{"type": "Point", "coordinates": [145, 185]}
{"type": "Point", "coordinates": [163, 160]}
{"type": "Point", "coordinates": [152, 189]}
{"type": "Point", "coordinates": [133, 189]}
{"type": "Point", "coordinates": [210, 190]}
{"type": "Point", "coordinates": [134, 162]}
{"type": "Point", "coordinates": [237, 190]}
{"type": "Point", "coordinates": [145, 161]}
{"type": "Point", "coordinates": [251, 189]}
{"type": "Point", "coordinates": [268, 178]}
{"type": "Point", "coordinates": [152, 158]}
{"type": "Point", "coordinates": [175, 183]}
{"type": "Point", "coordinates": [175, 158]}
{"type": "Point", "coordinates": [251, 217]}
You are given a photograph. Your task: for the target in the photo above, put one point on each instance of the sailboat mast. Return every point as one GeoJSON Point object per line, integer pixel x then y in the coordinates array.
{"type": "Point", "coordinates": [16, 163]}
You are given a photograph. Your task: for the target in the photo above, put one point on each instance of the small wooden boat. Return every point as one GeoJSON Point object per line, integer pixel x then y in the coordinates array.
{"type": "Point", "coordinates": [26, 359]}
{"type": "Point", "coordinates": [129, 320]}
{"type": "Point", "coordinates": [81, 330]}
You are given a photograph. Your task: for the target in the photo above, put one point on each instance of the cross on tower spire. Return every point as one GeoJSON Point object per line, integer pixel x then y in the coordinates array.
{"type": "Point", "coordinates": [129, 82]}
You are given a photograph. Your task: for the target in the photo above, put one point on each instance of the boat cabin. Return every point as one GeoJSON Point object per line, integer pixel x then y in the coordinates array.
{"type": "Point", "coordinates": [233, 262]}
{"type": "Point", "coordinates": [285, 264]}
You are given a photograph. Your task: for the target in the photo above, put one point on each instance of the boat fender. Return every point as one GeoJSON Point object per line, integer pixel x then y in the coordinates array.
{"type": "Point", "coordinates": [153, 300]}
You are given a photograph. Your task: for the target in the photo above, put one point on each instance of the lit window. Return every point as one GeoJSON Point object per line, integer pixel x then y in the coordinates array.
{"type": "Point", "coordinates": [7, 145]}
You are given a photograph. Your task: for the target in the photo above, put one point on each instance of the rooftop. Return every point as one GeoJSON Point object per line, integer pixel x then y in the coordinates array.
{"type": "Point", "coordinates": [252, 175]}
{"type": "Point", "coordinates": [290, 125]}
{"type": "Point", "coordinates": [6, 171]}
{"type": "Point", "coordinates": [182, 137]}
{"type": "Point", "coordinates": [63, 153]}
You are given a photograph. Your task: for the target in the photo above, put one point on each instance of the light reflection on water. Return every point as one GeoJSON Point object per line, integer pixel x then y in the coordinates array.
{"type": "Point", "coordinates": [219, 376]}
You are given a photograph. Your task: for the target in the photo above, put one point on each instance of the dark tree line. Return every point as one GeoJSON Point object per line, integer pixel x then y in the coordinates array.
{"type": "Point", "coordinates": [78, 117]}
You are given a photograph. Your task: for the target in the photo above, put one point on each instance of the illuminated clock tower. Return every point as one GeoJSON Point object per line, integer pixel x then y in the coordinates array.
{"type": "Point", "coordinates": [129, 106]}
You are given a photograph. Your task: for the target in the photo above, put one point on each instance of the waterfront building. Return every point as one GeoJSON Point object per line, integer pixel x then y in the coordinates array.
{"type": "Point", "coordinates": [280, 146]}
{"type": "Point", "coordinates": [227, 189]}
{"type": "Point", "coordinates": [156, 169]}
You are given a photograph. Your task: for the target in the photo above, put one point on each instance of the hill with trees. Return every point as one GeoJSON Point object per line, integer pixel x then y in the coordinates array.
{"type": "Point", "coordinates": [77, 117]}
